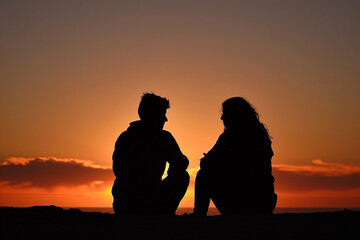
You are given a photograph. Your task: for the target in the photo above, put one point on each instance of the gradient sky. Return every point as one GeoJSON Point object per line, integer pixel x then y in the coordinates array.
{"type": "Point", "coordinates": [72, 74]}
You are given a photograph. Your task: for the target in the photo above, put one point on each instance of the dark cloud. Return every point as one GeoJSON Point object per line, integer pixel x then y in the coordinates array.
{"type": "Point", "coordinates": [292, 181]}
{"type": "Point", "coordinates": [51, 172]}
{"type": "Point", "coordinates": [319, 176]}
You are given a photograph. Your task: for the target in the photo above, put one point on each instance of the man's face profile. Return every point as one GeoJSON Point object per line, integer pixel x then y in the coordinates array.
{"type": "Point", "coordinates": [156, 120]}
{"type": "Point", "coordinates": [152, 111]}
{"type": "Point", "coordinates": [160, 120]}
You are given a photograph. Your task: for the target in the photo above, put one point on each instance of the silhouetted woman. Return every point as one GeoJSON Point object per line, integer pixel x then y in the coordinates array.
{"type": "Point", "coordinates": [236, 172]}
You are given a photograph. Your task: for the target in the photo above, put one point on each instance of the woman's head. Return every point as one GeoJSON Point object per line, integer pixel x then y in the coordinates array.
{"type": "Point", "coordinates": [239, 114]}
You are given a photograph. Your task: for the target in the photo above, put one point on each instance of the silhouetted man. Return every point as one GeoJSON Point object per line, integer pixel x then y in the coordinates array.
{"type": "Point", "coordinates": [139, 161]}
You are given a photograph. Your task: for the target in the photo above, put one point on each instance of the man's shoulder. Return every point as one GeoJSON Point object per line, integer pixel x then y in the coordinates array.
{"type": "Point", "coordinates": [166, 134]}
{"type": "Point", "coordinates": [167, 137]}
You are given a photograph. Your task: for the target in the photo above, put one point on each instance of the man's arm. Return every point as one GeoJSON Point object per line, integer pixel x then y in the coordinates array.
{"type": "Point", "coordinates": [178, 162]}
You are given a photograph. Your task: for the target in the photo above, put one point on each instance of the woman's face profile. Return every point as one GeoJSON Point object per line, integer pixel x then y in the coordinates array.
{"type": "Point", "coordinates": [225, 117]}
{"type": "Point", "coordinates": [232, 118]}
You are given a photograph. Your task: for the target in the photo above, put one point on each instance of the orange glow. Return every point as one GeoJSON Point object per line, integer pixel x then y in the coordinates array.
{"type": "Point", "coordinates": [82, 196]}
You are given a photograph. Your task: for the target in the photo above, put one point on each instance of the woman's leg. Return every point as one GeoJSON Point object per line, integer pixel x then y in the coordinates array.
{"type": "Point", "coordinates": [202, 193]}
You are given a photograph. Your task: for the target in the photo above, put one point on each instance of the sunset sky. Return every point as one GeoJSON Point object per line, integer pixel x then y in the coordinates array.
{"type": "Point", "coordinates": [72, 74]}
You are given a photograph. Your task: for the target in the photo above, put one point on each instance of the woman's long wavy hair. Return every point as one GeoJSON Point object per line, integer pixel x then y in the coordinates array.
{"type": "Point", "coordinates": [239, 114]}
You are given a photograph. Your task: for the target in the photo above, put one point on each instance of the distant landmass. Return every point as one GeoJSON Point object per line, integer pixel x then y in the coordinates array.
{"type": "Point", "coordinates": [53, 222]}
{"type": "Point", "coordinates": [213, 211]}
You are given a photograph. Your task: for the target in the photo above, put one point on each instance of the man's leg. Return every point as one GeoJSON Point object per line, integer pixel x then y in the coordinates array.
{"type": "Point", "coordinates": [172, 192]}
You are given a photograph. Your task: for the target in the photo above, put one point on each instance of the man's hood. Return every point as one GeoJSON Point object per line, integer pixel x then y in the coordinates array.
{"type": "Point", "coordinates": [136, 126]}
{"type": "Point", "coordinates": [140, 127]}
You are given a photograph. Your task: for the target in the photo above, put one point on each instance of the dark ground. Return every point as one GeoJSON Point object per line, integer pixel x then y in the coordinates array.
{"type": "Point", "coordinates": [50, 222]}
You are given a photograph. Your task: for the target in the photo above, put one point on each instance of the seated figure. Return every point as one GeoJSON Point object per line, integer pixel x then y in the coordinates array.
{"type": "Point", "coordinates": [139, 161]}
{"type": "Point", "coordinates": [236, 174]}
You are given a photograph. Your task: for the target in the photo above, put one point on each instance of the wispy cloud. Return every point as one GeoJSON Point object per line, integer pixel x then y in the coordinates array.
{"type": "Point", "coordinates": [320, 167]}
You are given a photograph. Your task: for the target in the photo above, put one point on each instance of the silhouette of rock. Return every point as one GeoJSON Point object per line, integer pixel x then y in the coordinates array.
{"type": "Point", "coordinates": [52, 222]}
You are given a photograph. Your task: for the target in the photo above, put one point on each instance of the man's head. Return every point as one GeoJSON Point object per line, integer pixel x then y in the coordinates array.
{"type": "Point", "coordinates": [152, 110]}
